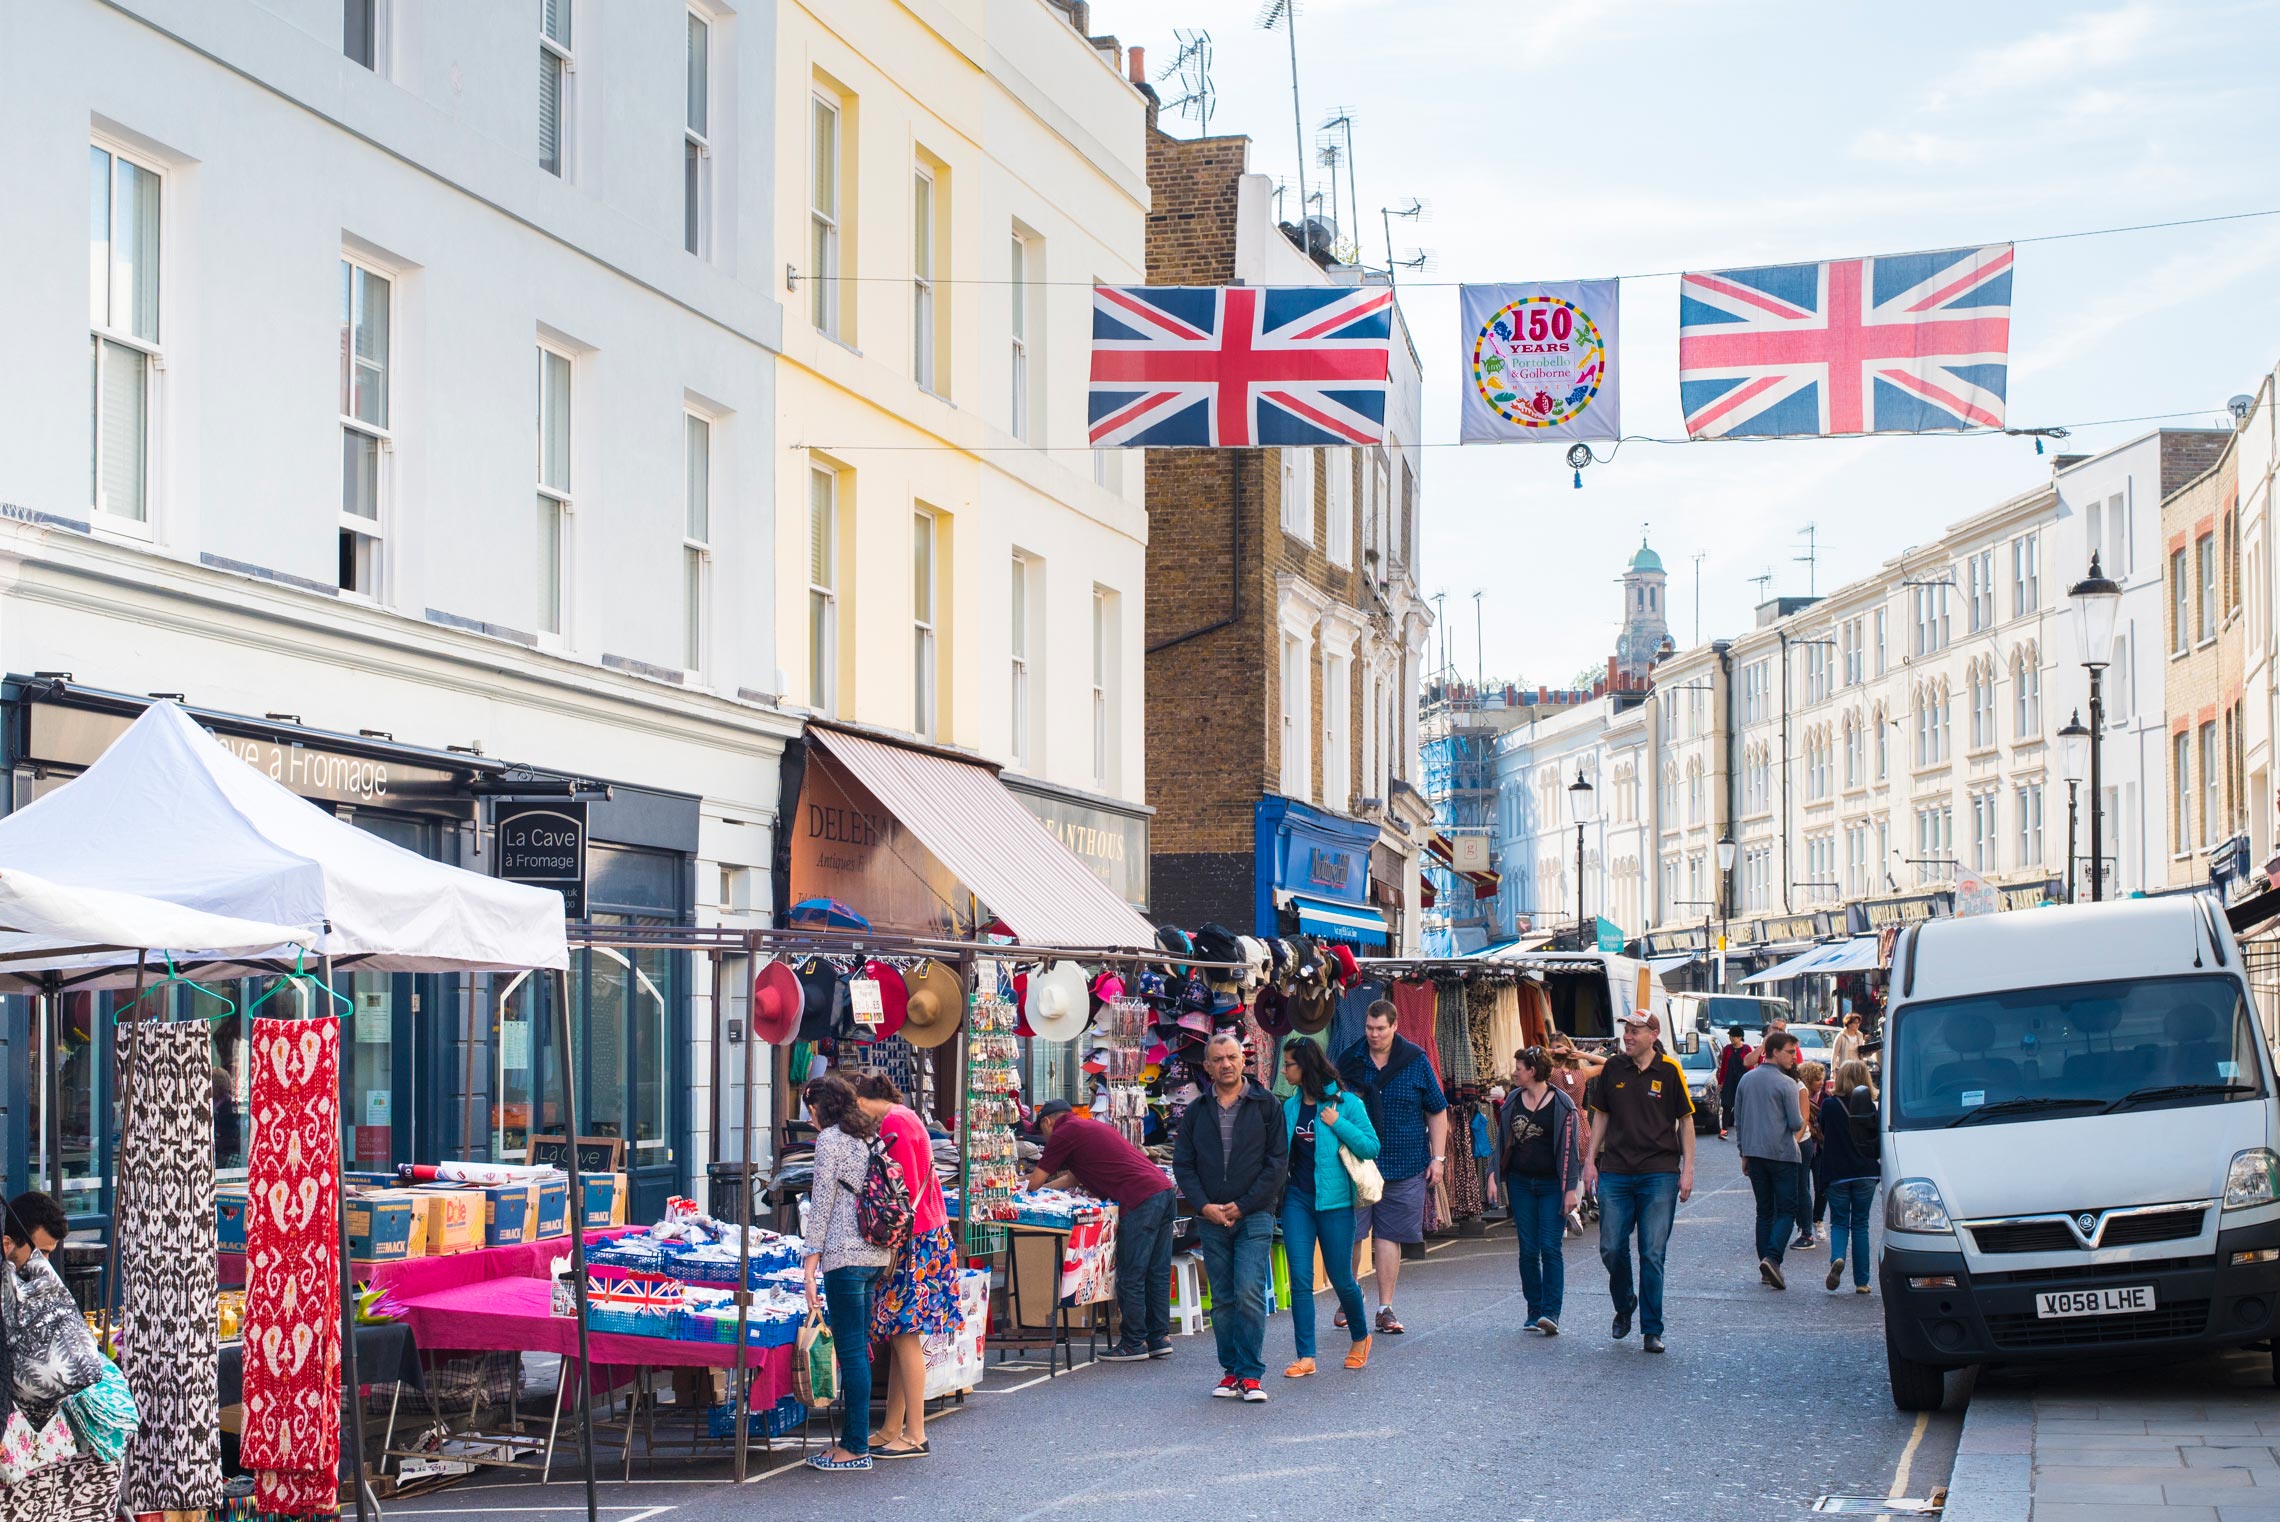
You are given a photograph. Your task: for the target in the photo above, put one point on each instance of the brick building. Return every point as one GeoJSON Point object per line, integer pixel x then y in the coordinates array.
{"type": "Point", "coordinates": [2202, 676]}
{"type": "Point", "coordinates": [1285, 637]}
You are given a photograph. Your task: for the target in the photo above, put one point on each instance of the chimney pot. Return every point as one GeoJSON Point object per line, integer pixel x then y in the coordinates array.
{"type": "Point", "coordinates": [1136, 65]}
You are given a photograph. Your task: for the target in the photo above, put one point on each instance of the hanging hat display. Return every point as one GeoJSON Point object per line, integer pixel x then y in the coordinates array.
{"type": "Point", "coordinates": [894, 999]}
{"type": "Point", "coordinates": [1255, 958]}
{"type": "Point", "coordinates": [1216, 943]}
{"type": "Point", "coordinates": [1021, 1005]}
{"type": "Point", "coordinates": [1271, 1011]}
{"type": "Point", "coordinates": [1054, 1005]}
{"type": "Point", "coordinates": [1106, 986]}
{"type": "Point", "coordinates": [823, 998]}
{"type": "Point", "coordinates": [935, 1006]}
{"type": "Point", "coordinates": [1347, 970]}
{"type": "Point", "coordinates": [777, 1000]}
{"type": "Point", "coordinates": [1278, 951]}
{"type": "Point", "coordinates": [1312, 1007]}
{"type": "Point", "coordinates": [1175, 940]}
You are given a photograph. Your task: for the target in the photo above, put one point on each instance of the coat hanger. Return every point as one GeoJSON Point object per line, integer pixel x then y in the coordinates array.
{"type": "Point", "coordinates": [178, 979]}
{"type": "Point", "coordinates": [301, 980]}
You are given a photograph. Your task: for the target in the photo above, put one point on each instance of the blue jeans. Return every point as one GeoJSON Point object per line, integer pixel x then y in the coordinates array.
{"type": "Point", "coordinates": [1235, 1260]}
{"type": "Point", "coordinates": [1779, 1188]}
{"type": "Point", "coordinates": [1302, 1227]}
{"type": "Point", "coordinates": [847, 1306]}
{"type": "Point", "coordinates": [1541, 1225]}
{"type": "Point", "coordinates": [1648, 1201]}
{"type": "Point", "coordinates": [1850, 1202]}
{"type": "Point", "coordinates": [1144, 1270]}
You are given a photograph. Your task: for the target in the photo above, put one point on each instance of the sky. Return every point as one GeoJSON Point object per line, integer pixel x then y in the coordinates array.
{"type": "Point", "coordinates": [1574, 139]}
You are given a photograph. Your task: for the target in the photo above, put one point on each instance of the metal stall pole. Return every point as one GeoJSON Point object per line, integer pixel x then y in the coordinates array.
{"type": "Point", "coordinates": [577, 1242]}
{"type": "Point", "coordinates": [743, 1215]}
{"type": "Point", "coordinates": [114, 1292]}
{"type": "Point", "coordinates": [352, 1387]}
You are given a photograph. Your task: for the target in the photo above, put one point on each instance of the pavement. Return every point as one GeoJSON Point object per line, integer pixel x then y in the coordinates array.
{"type": "Point", "coordinates": [2190, 1442]}
{"type": "Point", "coordinates": [1765, 1402]}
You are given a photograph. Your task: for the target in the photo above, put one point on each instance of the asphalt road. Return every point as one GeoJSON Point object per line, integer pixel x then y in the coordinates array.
{"type": "Point", "coordinates": [1764, 1402]}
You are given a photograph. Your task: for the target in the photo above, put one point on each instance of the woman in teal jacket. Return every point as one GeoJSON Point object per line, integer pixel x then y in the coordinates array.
{"type": "Point", "coordinates": [1318, 1198]}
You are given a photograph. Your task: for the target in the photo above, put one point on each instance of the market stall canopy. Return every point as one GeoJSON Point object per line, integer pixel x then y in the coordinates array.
{"type": "Point", "coordinates": [170, 814]}
{"type": "Point", "coordinates": [42, 921]}
{"type": "Point", "coordinates": [983, 835]}
{"type": "Point", "coordinates": [1855, 955]}
{"type": "Point", "coordinates": [1673, 962]}
{"type": "Point", "coordinates": [1782, 971]}
{"type": "Point", "coordinates": [1334, 919]}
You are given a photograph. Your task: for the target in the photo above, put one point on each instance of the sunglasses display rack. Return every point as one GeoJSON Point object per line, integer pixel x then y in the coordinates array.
{"type": "Point", "coordinates": [1124, 1033]}
{"type": "Point", "coordinates": [993, 1167]}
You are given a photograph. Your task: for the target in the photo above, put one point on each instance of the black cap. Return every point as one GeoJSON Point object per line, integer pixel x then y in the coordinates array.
{"type": "Point", "coordinates": [1054, 1107]}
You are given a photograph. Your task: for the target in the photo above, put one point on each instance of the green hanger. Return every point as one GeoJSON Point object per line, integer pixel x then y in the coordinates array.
{"type": "Point", "coordinates": [300, 974]}
{"type": "Point", "coordinates": [174, 979]}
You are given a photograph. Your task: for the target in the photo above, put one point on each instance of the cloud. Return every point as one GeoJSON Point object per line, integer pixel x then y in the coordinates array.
{"type": "Point", "coordinates": [2100, 41]}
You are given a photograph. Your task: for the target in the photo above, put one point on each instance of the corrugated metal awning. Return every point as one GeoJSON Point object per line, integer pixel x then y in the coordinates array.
{"type": "Point", "coordinates": [978, 830]}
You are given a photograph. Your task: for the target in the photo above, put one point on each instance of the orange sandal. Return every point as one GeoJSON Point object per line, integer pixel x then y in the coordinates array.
{"type": "Point", "coordinates": [1359, 1358]}
{"type": "Point", "coordinates": [1300, 1369]}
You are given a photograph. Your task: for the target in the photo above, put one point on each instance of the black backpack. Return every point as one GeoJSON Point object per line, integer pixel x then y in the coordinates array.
{"type": "Point", "coordinates": [1860, 1116]}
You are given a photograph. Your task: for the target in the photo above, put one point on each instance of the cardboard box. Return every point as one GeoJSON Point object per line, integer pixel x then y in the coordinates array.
{"type": "Point", "coordinates": [380, 1226]}
{"type": "Point", "coordinates": [618, 1200]}
{"type": "Point", "coordinates": [372, 1180]}
{"type": "Point", "coordinates": [601, 1193]}
{"type": "Point", "coordinates": [553, 1209]}
{"type": "Point", "coordinates": [455, 1220]}
{"type": "Point", "coordinates": [510, 1214]}
{"type": "Point", "coordinates": [229, 1217]}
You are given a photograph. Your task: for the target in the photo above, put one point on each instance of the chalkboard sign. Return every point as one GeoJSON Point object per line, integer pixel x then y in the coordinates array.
{"type": "Point", "coordinates": [596, 1154]}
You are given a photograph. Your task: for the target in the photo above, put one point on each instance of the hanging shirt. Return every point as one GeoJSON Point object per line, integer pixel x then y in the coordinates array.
{"type": "Point", "coordinates": [1302, 1150]}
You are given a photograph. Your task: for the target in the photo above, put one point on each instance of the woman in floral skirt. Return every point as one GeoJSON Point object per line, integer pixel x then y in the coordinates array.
{"type": "Point", "coordinates": [918, 1296]}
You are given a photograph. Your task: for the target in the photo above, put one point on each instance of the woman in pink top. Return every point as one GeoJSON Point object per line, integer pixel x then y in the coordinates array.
{"type": "Point", "coordinates": [918, 1294]}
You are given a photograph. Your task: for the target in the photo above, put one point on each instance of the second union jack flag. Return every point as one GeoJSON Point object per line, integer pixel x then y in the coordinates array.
{"type": "Point", "coordinates": [1230, 367]}
{"type": "Point", "coordinates": [1907, 343]}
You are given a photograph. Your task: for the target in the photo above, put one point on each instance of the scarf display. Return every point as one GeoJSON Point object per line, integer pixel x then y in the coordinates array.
{"type": "Point", "coordinates": [1415, 1000]}
{"type": "Point", "coordinates": [168, 1348]}
{"type": "Point", "coordinates": [292, 1305]}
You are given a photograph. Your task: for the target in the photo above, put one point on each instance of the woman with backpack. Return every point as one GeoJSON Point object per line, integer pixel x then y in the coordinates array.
{"type": "Point", "coordinates": [842, 1257]}
{"type": "Point", "coordinates": [1849, 1161]}
{"type": "Point", "coordinates": [918, 1296]}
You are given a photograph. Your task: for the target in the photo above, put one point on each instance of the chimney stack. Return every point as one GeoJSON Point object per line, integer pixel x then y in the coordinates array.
{"type": "Point", "coordinates": [1136, 65]}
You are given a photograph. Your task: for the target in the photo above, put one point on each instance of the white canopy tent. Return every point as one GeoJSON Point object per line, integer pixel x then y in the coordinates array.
{"type": "Point", "coordinates": [168, 813]}
{"type": "Point", "coordinates": [42, 922]}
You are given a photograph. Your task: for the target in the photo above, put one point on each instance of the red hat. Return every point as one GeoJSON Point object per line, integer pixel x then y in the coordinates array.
{"type": "Point", "coordinates": [1349, 971]}
{"type": "Point", "coordinates": [1021, 1005]}
{"type": "Point", "coordinates": [894, 998]}
{"type": "Point", "coordinates": [776, 1004]}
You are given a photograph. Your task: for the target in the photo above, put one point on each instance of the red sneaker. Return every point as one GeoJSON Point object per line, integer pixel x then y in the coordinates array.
{"type": "Point", "coordinates": [1253, 1393]}
{"type": "Point", "coordinates": [1228, 1388]}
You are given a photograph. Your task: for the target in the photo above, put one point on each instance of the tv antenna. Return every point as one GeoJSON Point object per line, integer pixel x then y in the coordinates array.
{"type": "Point", "coordinates": [1764, 579]}
{"type": "Point", "coordinates": [1336, 147]}
{"type": "Point", "coordinates": [1420, 259]}
{"type": "Point", "coordinates": [1193, 65]}
{"type": "Point", "coordinates": [1284, 13]}
{"type": "Point", "coordinates": [1812, 556]}
{"type": "Point", "coordinates": [1698, 558]}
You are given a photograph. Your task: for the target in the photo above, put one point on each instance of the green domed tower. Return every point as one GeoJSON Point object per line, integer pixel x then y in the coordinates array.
{"type": "Point", "coordinates": [1645, 617]}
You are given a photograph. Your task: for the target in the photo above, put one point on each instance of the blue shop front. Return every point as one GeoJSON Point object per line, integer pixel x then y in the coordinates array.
{"type": "Point", "coordinates": [1312, 875]}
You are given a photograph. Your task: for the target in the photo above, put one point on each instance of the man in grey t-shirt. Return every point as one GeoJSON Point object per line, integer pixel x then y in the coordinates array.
{"type": "Point", "coordinates": [1768, 1114]}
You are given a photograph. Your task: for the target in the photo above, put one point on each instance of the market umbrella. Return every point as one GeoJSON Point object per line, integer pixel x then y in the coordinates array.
{"type": "Point", "coordinates": [825, 914]}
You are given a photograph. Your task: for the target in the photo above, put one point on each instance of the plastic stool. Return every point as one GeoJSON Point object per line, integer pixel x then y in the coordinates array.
{"type": "Point", "coordinates": [1187, 1294]}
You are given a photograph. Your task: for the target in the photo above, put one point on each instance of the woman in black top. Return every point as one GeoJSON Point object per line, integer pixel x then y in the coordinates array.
{"type": "Point", "coordinates": [1540, 1156]}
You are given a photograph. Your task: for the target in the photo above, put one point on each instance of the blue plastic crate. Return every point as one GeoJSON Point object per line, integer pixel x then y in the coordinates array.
{"type": "Point", "coordinates": [782, 1419]}
{"type": "Point", "coordinates": [633, 1323]}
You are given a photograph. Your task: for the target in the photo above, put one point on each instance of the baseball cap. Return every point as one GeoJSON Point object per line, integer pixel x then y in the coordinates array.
{"type": "Point", "coordinates": [1640, 1017]}
{"type": "Point", "coordinates": [1054, 1107]}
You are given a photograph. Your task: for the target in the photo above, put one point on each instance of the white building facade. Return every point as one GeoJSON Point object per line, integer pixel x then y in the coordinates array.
{"type": "Point", "coordinates": [396, 383]}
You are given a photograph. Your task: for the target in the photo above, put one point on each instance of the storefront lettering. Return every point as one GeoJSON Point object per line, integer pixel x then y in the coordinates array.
{"type": "Point", "coordinates": [311, 771]}
{"type": "Point", "coordinates": [845, 826]}
{"type": "Point", "coordinates": [1328, 869]}
{"type": "Point", "coordinates": [1907, 911]}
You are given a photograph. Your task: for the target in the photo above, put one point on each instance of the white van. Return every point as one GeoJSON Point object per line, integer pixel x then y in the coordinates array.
{"type": "Point", "coordinates": [2081, 1148]}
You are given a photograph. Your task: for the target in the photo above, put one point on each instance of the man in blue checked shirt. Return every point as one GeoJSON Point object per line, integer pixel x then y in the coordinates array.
{"type": "Point", "coordinates": [1411, 1114]}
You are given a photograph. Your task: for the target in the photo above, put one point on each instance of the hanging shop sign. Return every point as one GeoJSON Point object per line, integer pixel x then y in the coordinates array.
{"type": "Point", "coordinates": [543, 844]}
{"type": "Point", "coordinates": [1907, 909]}
{"type": "Point", "coordinates": [846, 845]}
{"type": "Point", "coordinates": [1540, 362]}
{"type": "Point", "coordinates": [1112, 843]}
{"type": "Point", "coordinates": [1791, 927]}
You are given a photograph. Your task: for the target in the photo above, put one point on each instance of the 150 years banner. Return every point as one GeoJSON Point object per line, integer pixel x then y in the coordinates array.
{"type": "Point", "coordinates": [1540, 362]}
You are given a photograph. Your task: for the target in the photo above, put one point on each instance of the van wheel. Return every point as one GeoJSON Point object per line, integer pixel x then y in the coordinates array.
{"type": "Point", "coordinates": [1922, 1386]}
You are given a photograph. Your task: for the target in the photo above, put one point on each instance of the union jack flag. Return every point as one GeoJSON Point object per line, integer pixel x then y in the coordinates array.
{"type": "Point", "coordinates": [1907, 343]}
{"type": "Point", "coordinates": [1229, 367]}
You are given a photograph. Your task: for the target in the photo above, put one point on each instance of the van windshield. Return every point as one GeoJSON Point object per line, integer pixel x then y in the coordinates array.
{"type": "Point", "coordinates": [2079, 1049]}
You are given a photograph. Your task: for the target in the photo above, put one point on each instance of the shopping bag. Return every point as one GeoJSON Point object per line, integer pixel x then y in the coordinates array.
{"type": "Point", "coordinates": [1369, 1184]}
{"type": "Point", "coordinates": [53, 1351]}
{"type": "Point", "coordinates": [25, 1450]}
{"type": "Point", "coordinates": [103, 1416]}
{"type": "Point", "coordinates": [815, 1363]}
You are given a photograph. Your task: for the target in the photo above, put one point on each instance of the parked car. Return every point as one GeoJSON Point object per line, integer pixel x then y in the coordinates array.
{"type": "Point", "coordinates": [2080, 1144]}
{"type": "Point", "coordinates": [1701, 1066]}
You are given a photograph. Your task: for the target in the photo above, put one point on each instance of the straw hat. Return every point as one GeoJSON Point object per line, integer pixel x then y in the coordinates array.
{"type": "Point", "coordinates": [1055, 1003]}
{"type": "Point", "coordinates": [935, 1006]}
{"type": "Point", "coordinates": [776, 1003]}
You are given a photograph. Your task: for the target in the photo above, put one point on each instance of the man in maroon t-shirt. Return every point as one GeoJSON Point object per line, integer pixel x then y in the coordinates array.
{"type": "Point", "coordinates": [1096, 1157]}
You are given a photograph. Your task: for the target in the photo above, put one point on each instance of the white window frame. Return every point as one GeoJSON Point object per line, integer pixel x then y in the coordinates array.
{"type": "Point", "coordinates": [1297, 765]}
{"type": "Point", "coordinates": [1021, 617]}
{"type": "Point", "coordinates": [923, 187]}
{"type": "Point", "coordinates": [151, 346]}
{"type": "Point", "coordinates": [1298, 493]}
{"type": "Point", "coordinates": [1338, 542]}
{"type": "Point", "coordinates": [2206, 591]}
{"type": "Point", "coordinates": [355, 272]}
{"type": "Point", "coordinates": [1020, 400]}
{"type": "Point", "coordinates": [561, 494]}
{"type": "Point", "coordinates": [925, 618]}
{"type": "Point", "coordinates": [826, 216]}
{"type": "Point", "coordinates": [823, 594]}
{"type": "Point", "coordinates": [1103, 686]}
{"type": "Point", "coordinates": [2181, 790]}
{"type": "Point", "coordinates": [2026, 575]}
{"type": "Point", "coordinates": [1337, 772]}
{"type": "Point", "coordinates": [377, 19]}
{"type": "Point", "coordinates": [696, 541]}
{"type": "Point", "coordinates": [1881, 622]}
{"type": "Point", "coordinates": [2180, 601]}
{"type": "Point", "coordinates": [557, 53]}
{"type": "Point", "coordinates": [697, 139]}
{"type": "Point", "coordinates": [2212, 783]}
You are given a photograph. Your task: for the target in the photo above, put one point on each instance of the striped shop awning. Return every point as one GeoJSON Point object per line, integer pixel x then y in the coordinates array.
{"type": "Point", "coordinates": [985, 837]}
{"type": "Point", "coordinates": [1337, 921]}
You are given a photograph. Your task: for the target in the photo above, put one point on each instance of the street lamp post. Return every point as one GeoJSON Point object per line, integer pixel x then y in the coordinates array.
{"type": "Point", "coordinates": [2097, 603]}
{"type": "Point", "coordinates": [1583, 808]}
{"type": "Point", "coordinates": [1725, 899]}
{"type": "Point", "coordinates": [2073, 756]}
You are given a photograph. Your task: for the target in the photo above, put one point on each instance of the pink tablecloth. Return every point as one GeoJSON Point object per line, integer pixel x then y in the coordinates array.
{"type": "Point", "coordinates": [410, 1278]}
{"type": "Point", "coordinates": [514, 1315]}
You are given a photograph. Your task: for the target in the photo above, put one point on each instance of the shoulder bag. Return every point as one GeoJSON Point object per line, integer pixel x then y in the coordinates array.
{"type": "Point", "coordinates": [1369, 1184]}
{"type": "Point", "coordinates": [815, 1363]}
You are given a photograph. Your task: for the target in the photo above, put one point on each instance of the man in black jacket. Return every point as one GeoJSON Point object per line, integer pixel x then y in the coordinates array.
{"type": "Point", "coordinates": [1230, 1158]}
